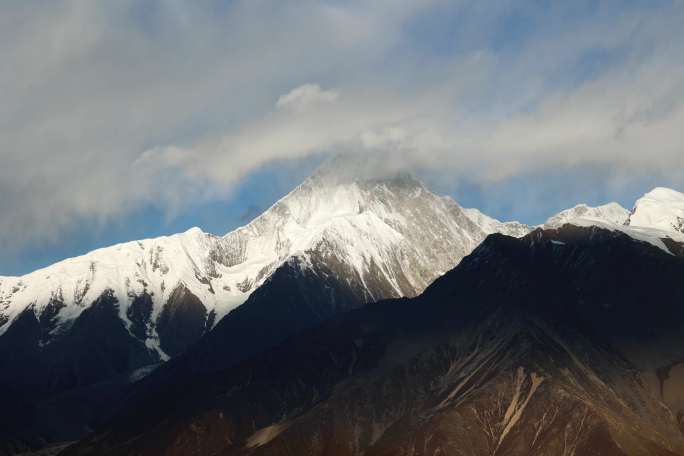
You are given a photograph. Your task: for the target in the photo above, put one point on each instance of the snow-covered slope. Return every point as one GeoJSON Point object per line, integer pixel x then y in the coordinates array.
{"type": "Point", "coordinates": [653, 236]}
{"type": "Point", "coordinates": [153, 266]}
{"type": "Point", "coordinates": [393, 237]}
{"type": "Point", "coordinates": [611, 212]}
{"type": "Point", "coordinates": [661, 208]}
{"type": "Point", "coordinates": [392, 230]}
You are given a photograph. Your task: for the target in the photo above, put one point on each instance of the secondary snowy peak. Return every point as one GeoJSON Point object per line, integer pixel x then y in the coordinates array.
{"type": "Point", "coordinates": [491, 225]}
{"type": "Point", "coordinates": [657, 218]}
{"type": "Point", "coordinates": [661, 208]}
{"type": "Point", "coordinates": [611, 213]}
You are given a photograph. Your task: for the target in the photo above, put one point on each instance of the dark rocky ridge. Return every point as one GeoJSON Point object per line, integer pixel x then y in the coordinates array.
{"type": "Point", "coordinates": [546, 345]}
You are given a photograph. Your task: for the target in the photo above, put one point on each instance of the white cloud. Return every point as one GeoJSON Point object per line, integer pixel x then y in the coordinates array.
{"type": "Point", "coordinates": [108, 107]}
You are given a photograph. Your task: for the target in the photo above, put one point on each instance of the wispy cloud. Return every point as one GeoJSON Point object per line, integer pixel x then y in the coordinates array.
{"type": "Point", "coordinates": [305, 97]}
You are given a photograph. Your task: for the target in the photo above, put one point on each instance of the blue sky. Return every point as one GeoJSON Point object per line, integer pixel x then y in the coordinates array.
{"type": "Point", "coordinates": [121, 121]}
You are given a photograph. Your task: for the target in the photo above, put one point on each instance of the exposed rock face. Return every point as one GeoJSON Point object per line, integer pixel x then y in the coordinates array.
{"type": "Point", "coordinates": [139, 313]}
{"type": "Point", "coordinates": [562, 342]}
{"type": "Point", "coordinates": [181, 322]}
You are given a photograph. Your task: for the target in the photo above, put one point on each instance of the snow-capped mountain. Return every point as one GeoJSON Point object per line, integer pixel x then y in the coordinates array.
{"type": "Point", "coordinates": [329, 246]}
{"type": "Point", "coordinates": [392, 237]}
{"type": "Point", "coordinates": [611, 212]}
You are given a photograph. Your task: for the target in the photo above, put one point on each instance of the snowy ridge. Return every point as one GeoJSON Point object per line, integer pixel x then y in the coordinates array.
{"type": "Point", "coordinates": [653, 236]}
{"type": "Point", "coordinates": [491, 225]}
{"type": "Point", "coordinates": [611, 212]}
{"type": "Point", "coordinates": [153, 266]}
{"type": "Point", "coordinates": [657, 216]}
{"type": "Point", "coordinates": [392, 237]}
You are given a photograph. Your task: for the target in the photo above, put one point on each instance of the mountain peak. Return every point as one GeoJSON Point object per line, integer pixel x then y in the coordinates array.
{"type": "Point", "coordinates": [194, 231]}
{"type": "Point", "coordinates": [661, 208]}
{"type": "Point", "coordinates": [361, 170]}
{"type": "Point", "coordinates": [611, 212]}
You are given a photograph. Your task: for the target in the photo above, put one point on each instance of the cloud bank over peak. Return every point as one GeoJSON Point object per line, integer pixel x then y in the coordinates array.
{"type": "Point", "coordinates": [109, 108]}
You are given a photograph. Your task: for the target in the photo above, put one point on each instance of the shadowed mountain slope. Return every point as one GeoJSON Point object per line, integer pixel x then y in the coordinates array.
{"type": "Point", "coordinates": [566, 341]}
